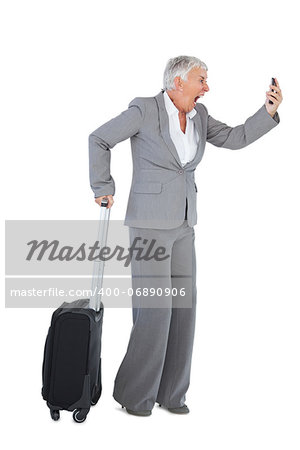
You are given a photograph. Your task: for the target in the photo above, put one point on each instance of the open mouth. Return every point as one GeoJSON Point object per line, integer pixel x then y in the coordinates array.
{"type": "Point", "coordinates": [195, 100]}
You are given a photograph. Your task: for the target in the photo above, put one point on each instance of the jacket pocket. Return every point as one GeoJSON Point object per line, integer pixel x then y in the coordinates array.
{"type": "Point", "coordinates": [147, 188]}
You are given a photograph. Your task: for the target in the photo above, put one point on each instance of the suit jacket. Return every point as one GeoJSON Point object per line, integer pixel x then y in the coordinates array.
{"type": "Point", "coordinates": [160, 184]}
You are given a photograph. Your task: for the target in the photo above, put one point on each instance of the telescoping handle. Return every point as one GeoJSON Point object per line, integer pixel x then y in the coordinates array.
{"type": "Point", "coordinates": [98, 269]}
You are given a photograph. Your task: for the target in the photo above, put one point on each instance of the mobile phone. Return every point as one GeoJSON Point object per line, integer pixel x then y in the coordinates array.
{"type": "Point", "coordinates": [273, 82]}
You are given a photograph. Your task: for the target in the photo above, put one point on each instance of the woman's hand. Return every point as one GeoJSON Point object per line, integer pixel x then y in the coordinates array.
{"type": "Point", "coordinates": [108, 197]}
{"type": "Point", "coordinates": [275, 97]}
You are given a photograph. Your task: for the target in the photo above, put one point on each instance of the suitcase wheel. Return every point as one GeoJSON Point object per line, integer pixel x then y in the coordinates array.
{"type": "Point", "coordinates": [79, 415]}
{"type": "Point", "coordinates": [54, 414]}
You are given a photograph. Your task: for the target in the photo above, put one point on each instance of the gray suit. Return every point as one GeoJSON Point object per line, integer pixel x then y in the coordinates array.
{"type": "Point", "coordinates": [157, 364]}
{"type": "Point", "coordinates": [160, 185]}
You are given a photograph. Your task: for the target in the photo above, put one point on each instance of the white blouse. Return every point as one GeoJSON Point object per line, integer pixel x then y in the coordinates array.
{"type": "Point", "coordinates": [185, 143]}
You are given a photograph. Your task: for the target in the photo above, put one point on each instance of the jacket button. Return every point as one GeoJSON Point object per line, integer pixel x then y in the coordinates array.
{"type": "Point", "coordinates": [180, 171]}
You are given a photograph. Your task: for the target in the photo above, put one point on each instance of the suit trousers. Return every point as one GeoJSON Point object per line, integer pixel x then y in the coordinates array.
{"type": "Point", "coordinates": [157, 363]}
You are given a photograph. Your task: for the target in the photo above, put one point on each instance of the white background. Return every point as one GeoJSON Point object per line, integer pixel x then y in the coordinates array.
{"type": "Point", "coordinates": [68, 67]}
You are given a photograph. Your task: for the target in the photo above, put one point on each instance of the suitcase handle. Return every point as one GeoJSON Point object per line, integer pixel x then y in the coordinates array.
{"type": "Point", "coordinates": [104, 202]}
{"type": "Point", "coordinates": [98, 269]}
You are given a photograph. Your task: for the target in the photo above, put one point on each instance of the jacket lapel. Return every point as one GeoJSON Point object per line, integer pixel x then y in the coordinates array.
{"type": "Point", "coordinates": [164, 128]}
{"type": "Point", "coordinates": [198, 124]}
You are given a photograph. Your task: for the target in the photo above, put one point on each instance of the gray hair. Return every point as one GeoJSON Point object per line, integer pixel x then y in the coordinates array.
{"type": "Point", "coordinates": [180, 66]}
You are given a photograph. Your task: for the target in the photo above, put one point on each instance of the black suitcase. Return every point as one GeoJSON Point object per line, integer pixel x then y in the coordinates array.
{"type": "Point", "coordinates": [72, 356]}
